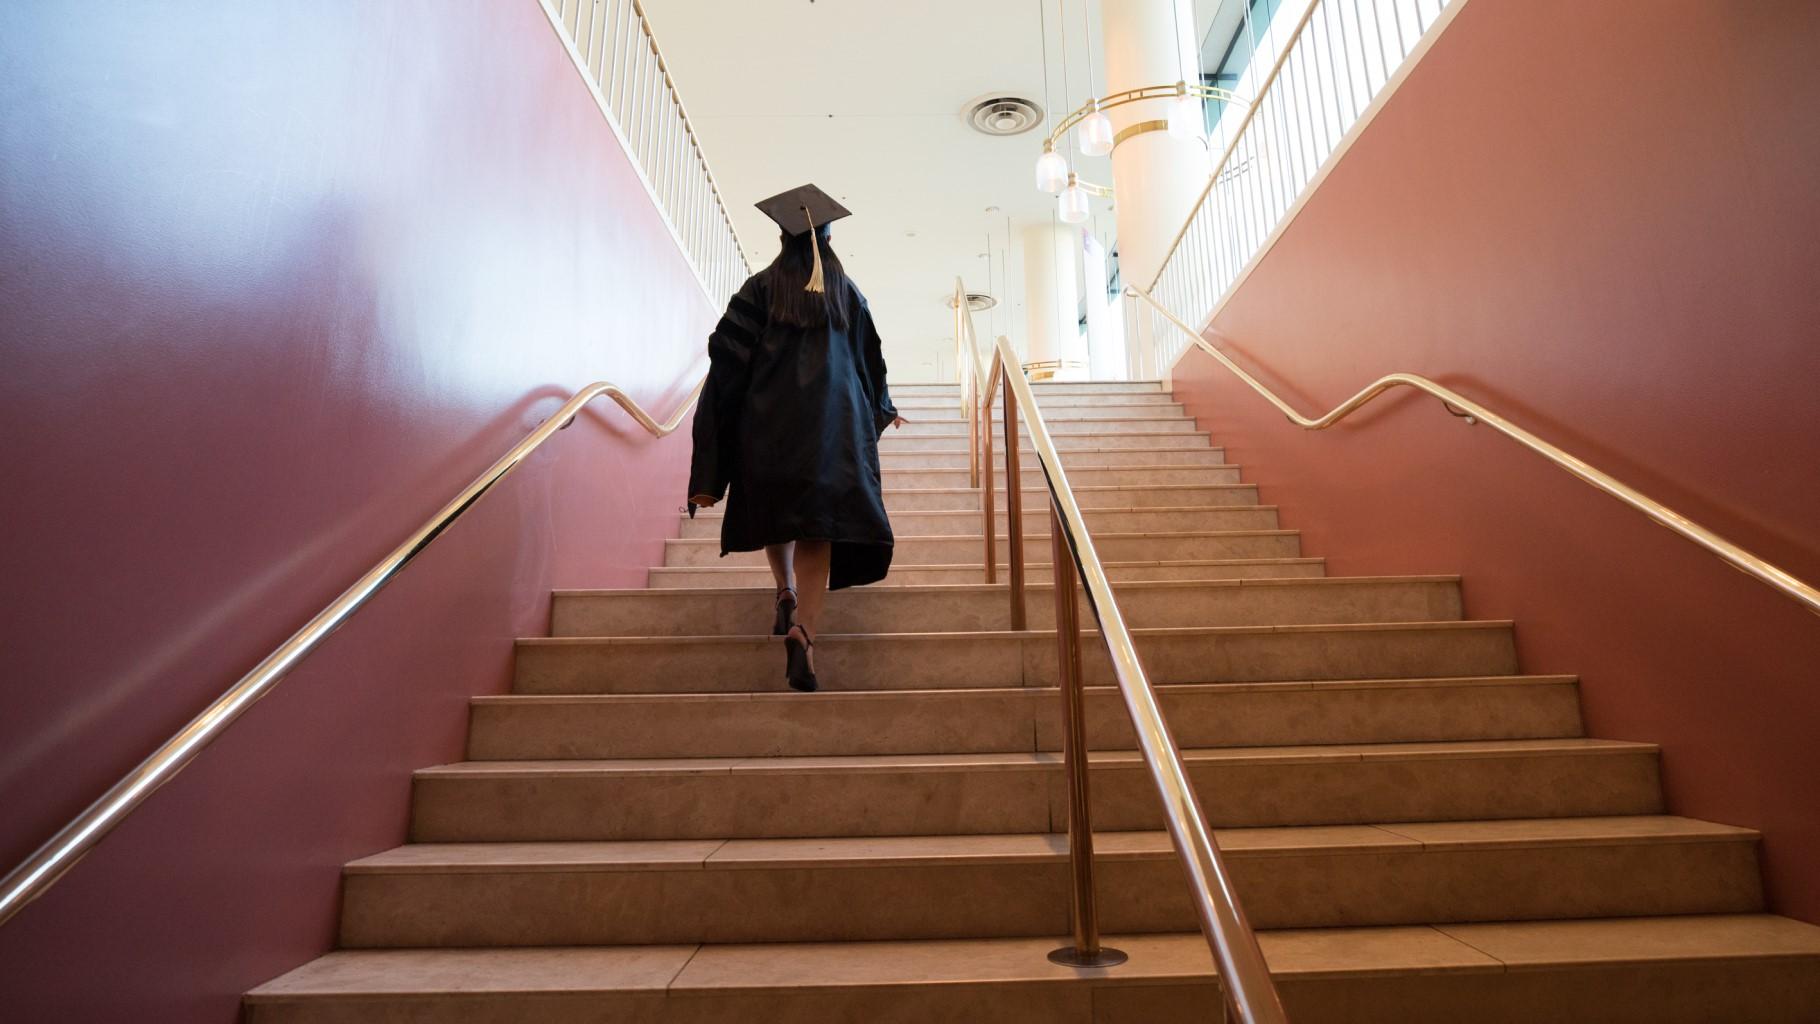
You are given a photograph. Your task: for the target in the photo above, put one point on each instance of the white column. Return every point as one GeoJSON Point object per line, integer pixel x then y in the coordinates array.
{"type": "Point", "coordinates": [1052, 297]}
{"type": "Point", "coordinates": [1156, 177]}
{"type": "Point", "coordinates": [1105, 330]}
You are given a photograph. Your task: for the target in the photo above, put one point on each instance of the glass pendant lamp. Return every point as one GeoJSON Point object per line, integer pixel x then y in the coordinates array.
{"type": "Point", "coordinates": [1051, 171]}
{"type": "Point", "coordinates": [1186, 120]}
{"type": "Point", "coordinates": [1073, 203]}
{"type": "Point", "coordinates": [1095, 132]}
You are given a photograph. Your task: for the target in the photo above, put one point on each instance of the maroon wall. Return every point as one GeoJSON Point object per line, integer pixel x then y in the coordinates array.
{"type": "Point", "coordinates": [1602, 220]}
{"type": "Point", "coordinates": [276, 279]}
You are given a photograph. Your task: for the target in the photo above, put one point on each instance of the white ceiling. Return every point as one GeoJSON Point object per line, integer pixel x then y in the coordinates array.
{"type": "Point", "coordinates": [864, 98]}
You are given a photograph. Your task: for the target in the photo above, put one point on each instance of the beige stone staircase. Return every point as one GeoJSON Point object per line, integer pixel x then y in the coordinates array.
{"type": "Point", "coordinates": [652, 828]}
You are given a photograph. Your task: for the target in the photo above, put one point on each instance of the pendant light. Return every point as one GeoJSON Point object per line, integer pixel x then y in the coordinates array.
{"type": "Point", "coordinates": [1095, 132]}
{"type": "Point", "coordinates": [1095, 136]}
{"type": "Point", "coordinates": [1051, 171]}
{"type": "Point", "coordinates": [1073, 204]}
{"type": "Point", "coordinates": [1186, 120]}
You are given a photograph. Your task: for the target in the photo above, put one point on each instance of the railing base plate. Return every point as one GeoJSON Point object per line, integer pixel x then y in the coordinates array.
{"type": "Point", "coordinates": [1069, 956]}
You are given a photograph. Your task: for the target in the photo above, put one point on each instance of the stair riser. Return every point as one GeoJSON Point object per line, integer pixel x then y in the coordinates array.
{"type": "Point", "coordinates": [957, 499]}
{"type": "Point", "coordinates": [1668, 992]}
{"type": "Point", "coordinates": [1158, 472]}
{"type": "Point", "coordinates": [873, 610]}
{"type": "Point", "coordinates": [1079, 427]}
{"type": "Point", "coordinates": [1010, 721]}
{"type": "Point", "coordinates": [904, 575]}
{"type": "Point", "coordinates": [898, 441]}
{"type": "Point", "coordinates": [963, 661]}
{"type": "Point", "coordinates": [839, 903]}
{"type": "Point", "coordinates": [777, 801]}
{"type": "Point", "coordinates": [972, 551]}
{"type": "Point", "coordinates": [1672, 991]}
{"type": "Point", "coordinates": [963, 522]}
{"type": "Point", "coordinates": [1071, 460]}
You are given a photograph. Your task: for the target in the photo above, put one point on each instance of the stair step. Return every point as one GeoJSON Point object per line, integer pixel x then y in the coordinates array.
{"type": "Point", "coordinates": [926, 661]}
{"type": "Point", "coordinates": [1072, 458]}
{"type": "Point", "coordinates": [1119, 547]}
{"type": "Point", "coordinates": [1058, 412]}
{"type": "Point", "coordinates": [898, 441]}
{"type": "Point", "coordinates": [969, 522]}
{"type": "Point", "coordinates": [1011, 719]}
{"type": "Point", "coordinates": [1036, 495]}
{"type": "Point", "coordinates": [979, 607]}
{"type": "Point", "coordinates": [1074, 426]}
{"type": "Point", "coordinates": [663, 578]}
{"type": "Point", "coordinates": [945, 403]}
{"type": "Point", "coordinates": [1002, 886]}
{"type": "Point", "coordinates": [949, 794]}
{"type": "Point", "coordinates": [1739, 968]}
{"type": "Point", "coordinates": [1150, 474]}
{"type": "Point", "coordinates": [1042, 389]}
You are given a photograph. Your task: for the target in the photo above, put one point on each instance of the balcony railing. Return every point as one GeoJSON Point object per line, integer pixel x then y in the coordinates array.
{"type": "Point", "coordinates": [1330, 69]}
{"type": "Point", "coordinates": [612, 45]}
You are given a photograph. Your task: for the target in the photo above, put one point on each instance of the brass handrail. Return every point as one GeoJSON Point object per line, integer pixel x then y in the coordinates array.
{"type": "Point", "coordinates": [49, 862]}
{"type": "Point", "coordinates": [1783, 581]}
{"type": "Point", "coordinates": [1249, 992]}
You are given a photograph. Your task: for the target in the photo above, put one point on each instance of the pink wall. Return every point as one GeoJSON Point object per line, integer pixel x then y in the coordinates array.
{"type": "Point", "coordinates": [1603, 220]}
{"type": "Point", "coordinates": [276, 279]}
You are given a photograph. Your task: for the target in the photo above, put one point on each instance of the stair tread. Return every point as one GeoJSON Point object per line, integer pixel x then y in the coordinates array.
{"type": "Point", "coordinates": [1034, 693]}
{"type": "Point", "coordinates": [916, 513]}
{"type": "Point", "coordinates": [1147, 563]}
{"type": "Point", "coordinates": [1096, 450]}
{"type": "Point", "coordinates": [962, 432]}
{"type": "Point", "coordinates": [1082, 489]}
{"type": "Point", "coordinates": [951, 588]}
{"type": "Point", "coordinates": [1031, 760]}
{"type": "Point", "coordinates": [1465, 625]}
{"type": "Point", "coordinates": [1301, 953]}
{"type": "Point", "coordinates": [1100, 536]}
{"type": "Point", "coordinates": [678, 854]}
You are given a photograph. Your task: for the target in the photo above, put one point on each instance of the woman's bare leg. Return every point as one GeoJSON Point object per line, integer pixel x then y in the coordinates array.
{"type": "Point", "coordinates": [812, 558]}
{"type": "Point", "coordinates": [783, 565]}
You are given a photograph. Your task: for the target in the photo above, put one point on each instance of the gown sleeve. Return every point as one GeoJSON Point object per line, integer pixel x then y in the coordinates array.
{"type": "Point", "coordinates": [716, 428]}
{"type": "Point", "coordinates": [883, 410]}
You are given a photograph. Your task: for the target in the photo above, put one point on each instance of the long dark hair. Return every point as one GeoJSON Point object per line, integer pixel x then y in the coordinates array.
{"type": "Point", "coordinates": [791, 302]}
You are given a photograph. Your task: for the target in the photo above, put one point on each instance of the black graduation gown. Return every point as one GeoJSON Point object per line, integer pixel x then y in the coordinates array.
{"type": "Point", "coordinates": [789, 425]}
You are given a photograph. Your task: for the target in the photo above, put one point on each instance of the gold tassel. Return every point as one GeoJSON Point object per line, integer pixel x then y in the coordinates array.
{"type": "Point", "coordinates": [815, 275]}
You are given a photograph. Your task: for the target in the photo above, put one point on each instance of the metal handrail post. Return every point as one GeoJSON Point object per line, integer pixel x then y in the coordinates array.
{"type": "Point", "coordinates": [1014, 507]}
{"type": "Point", "coordinates": [1086, 951]}
{"type": "Point", "coordinates": [973, 433]}
{"type": "Point", "coordinates": [988, 501]}
{"type": "Point", "coordinates": [1238, 961]}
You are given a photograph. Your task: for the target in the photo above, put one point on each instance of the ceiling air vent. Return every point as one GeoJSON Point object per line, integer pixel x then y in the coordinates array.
{"type": "Point", "coordinates": [976, 301]}
{"type": "Point", "coordinates": [997, 114]}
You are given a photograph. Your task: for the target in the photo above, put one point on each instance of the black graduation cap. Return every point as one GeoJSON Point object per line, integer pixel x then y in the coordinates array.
{"type": "Point", "coordinates": [804, 208]}
{"type": "Point", "coordinates": [800, 208]}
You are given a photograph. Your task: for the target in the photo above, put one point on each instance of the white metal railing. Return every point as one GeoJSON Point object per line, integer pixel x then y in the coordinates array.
{"type": "Point", "coordinates": [1326, 69]}
{"type": "Point", "coordinates": [615, 52]}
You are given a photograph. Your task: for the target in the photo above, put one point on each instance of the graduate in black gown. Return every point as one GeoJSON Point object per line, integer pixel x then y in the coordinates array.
{"type": "Point", "coordinates": [789, 422]}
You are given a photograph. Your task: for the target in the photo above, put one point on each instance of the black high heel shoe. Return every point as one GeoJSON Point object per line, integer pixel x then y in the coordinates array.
{"type": "Point", "coordinates": [786, 611]}
{"type": "Point", "coordinates": [796, 660]}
